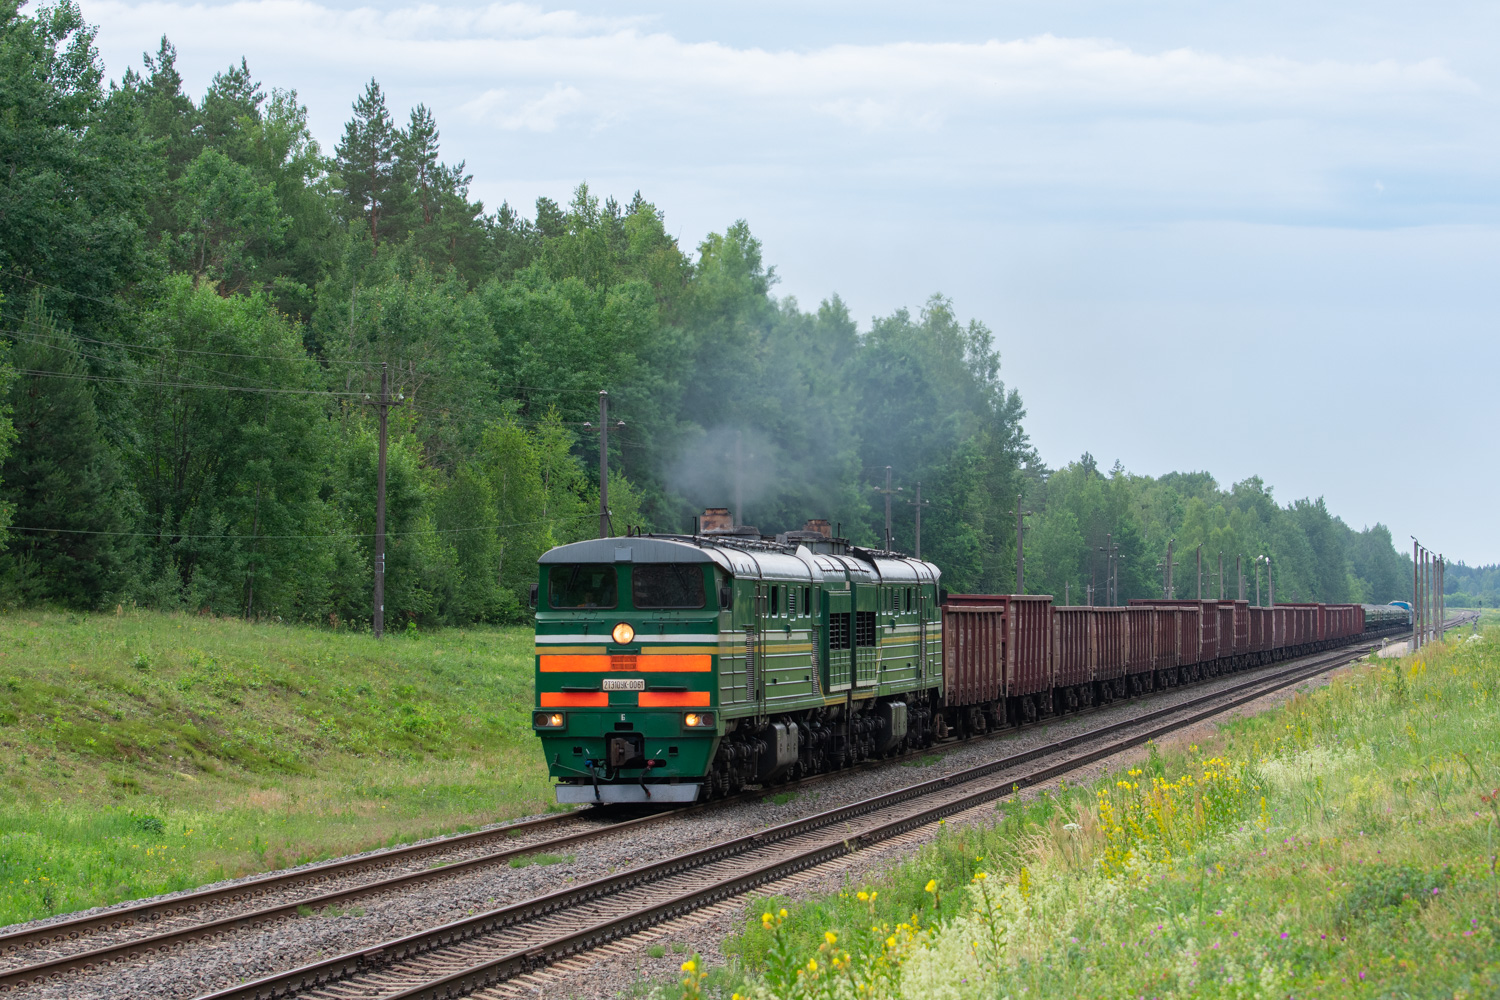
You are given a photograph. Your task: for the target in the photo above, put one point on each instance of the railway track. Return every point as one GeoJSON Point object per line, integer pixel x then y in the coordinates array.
{"type": "Point", "coordinates": [567, 908]}
{"type": "Point", "coordinates": [480, 951]}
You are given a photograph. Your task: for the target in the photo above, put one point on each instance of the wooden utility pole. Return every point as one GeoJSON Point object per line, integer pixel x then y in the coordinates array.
{"type": "Point", "coordinates": [1114, 581]}
{"type": "Point", "coordinates": [887, 491]}
{"type": "Point", "coordinates": [1020, 516]}
{"type": "Point", "coordinates": [1200, 571]}
{"type": "Point", "coordinates": [377, 611]}
{"type": "Point", "coordinates": [1221, 574]}
{"type": "Point", "coordinates": [1239, 571]}
{"type": "Point", "coordinates": [1094, 574]}
{"type": "Point", "coordinates": [919, 503]}
{"type": "Point", "coordinates": [604, 531]}
{"type": "Point", "coordinates": [1416, 592]}
{"type": "Point", "coordinates": [1169, 592]}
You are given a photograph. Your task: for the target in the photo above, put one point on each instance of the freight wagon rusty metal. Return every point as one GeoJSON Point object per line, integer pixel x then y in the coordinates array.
{"type": "Point", "coordinates": [1203, 646]}
{"type": "Point", "coordinates": [1111, 643]}
{"type": "Point", "coordinates": [1260, 629]}
{"type": "Point", "coordinates": [1190, 635]}
{"type": "Point", "coordinates": [996, 645]}
{"type": "Point", "coordinates": [1140, 639]}
{"type": "Point", "coordinates": [1239, 612]}
{"type": "Point", "coordinates": [1074, 641]}
{"type": "Point", "coordinates": [1225, 611]}
{"type": "Point", "coordinates": [1164, 648]}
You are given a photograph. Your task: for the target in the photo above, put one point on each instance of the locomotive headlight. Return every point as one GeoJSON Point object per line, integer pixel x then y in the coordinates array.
{"type": "Point", "coordinates": [547, 720]}
{"type": "Point", "coordinates": [622, 634]}
{"type": "Point", "coordinates": [696, 720]}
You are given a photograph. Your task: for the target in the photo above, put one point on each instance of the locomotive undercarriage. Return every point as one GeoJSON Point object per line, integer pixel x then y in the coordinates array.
{"type": "Point", "coordinates": [796, 745]}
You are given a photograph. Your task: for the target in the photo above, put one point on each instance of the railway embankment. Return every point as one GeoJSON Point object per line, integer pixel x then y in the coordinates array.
{"type": "Point", "coordinates": [1343, 844]}
{"type": "Point", "coordinates": [143, 753]}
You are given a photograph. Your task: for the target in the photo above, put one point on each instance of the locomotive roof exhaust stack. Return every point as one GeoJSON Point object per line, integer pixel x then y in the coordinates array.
{"type": "Point", "coordinates": [817, 535]}
{"type": "Point", "coordinates": [718, 521]}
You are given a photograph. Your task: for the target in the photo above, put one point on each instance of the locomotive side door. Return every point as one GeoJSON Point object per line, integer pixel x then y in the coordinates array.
{"type": "Point", "coordinates": [755, 674]}
{"type": "Point", "coordinates": [837, 640]}
{"type": "Point", "coordinates": [866, 635]}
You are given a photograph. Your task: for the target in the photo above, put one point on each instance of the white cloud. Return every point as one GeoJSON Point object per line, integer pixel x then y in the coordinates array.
{"type": "Point", "coordinates": [538, 114]}
{"type": "Point", "coordinates": [612, 68]}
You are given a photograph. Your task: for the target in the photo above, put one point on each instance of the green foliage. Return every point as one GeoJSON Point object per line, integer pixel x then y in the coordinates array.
{"type": "Point", "coordinates": [206, 303]}
{"type": "Point", "coordinates": [144, 752]}
{"type": "Point", "coordinates": [1343, 845]}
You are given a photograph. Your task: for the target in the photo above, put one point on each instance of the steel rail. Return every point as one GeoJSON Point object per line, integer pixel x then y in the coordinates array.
{"type": "Point", "coordinates": [383, 956]}
{"type": "Point", "coordinates": [152, 912]}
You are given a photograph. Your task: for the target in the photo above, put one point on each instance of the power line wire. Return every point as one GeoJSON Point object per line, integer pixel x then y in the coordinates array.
{"type": "Point", "coordinates": [356, 534]}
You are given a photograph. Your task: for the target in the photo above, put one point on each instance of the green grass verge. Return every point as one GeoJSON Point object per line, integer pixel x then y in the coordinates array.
{"type": "Point", "coordinates": [143, 753]}
{"type": "Point", "coordinates": [1342, 846]}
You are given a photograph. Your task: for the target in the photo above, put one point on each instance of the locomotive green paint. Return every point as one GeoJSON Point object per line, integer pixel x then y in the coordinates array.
{"type": "Point", "coordinates": [772, 627]}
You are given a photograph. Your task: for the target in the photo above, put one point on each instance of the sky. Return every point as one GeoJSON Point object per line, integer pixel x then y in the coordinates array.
{"type": "Point", "coordinates": [1251, 239]}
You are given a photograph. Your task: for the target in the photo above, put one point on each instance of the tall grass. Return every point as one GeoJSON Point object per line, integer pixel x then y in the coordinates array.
{"type": "Point", "coordinates": [1343, 845]}
{"type": "Point", "coordinates": [142, 753]}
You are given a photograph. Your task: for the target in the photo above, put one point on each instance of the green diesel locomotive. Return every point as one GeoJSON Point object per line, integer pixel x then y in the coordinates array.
{"type": "Point", "coordinates": [674, 668]}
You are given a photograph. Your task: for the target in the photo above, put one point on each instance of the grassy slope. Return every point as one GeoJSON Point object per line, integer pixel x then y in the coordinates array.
{"type": "Point", "coordinates": [1342, 846]}
{"type": "Point", "coordinates": [142, 753]}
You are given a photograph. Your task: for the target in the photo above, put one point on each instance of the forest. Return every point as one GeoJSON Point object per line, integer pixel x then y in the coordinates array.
{"type": "Point", "coordinates": [199, 301]}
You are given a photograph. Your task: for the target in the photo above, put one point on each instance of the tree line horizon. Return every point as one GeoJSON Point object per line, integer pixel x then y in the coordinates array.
{"type": "Point", "coordinates": [198, 302]}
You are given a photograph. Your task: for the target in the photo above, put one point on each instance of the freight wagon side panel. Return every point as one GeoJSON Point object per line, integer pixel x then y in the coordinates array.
{"type": "Point", "coordinates": [1208, 621]}
{"type": "Point", "coordinates": [1140, 638]}
{"type": "Point", "coordinates": [973, 652]}
{"type": "Point", "coordinates": [1164, 651]}
{"type": "Point", "coordinates": [1076, 647]}
{"type": "Point", "coordinates": [1110, 643]}
{"type": "Point", "coordinates": [1028, 653]}
{"type": "Point", "coordinates": [1189, 636]}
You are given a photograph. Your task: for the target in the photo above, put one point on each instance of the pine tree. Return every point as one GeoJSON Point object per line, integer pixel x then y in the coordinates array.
{"type": "Point", "coordinates": [367, 160]}
{"type": "Point", "coordinates": [418, 166]}
{"type": "Point", "coordinates": [61, 476]}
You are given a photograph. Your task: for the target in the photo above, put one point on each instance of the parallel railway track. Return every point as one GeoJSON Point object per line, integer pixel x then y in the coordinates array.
{"type": "Point", "coordinates": [490, 948]}
{"type": "Point", "coordinates": [587, 915]}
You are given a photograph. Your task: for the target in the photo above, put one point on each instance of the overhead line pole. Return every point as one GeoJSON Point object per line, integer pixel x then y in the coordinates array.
{"type": "Point", "coordinates": [377, 611]}
{"type": "Point", "coordinates": [1021, 515]}
{"type": "Point", "coordinates": [887, 491]}
{"type": "Point", "coordinates": [604, 531]}
{"type": "Point", "coordinates": [1416, 592]}
{"type": "Point", "coordinates": [919, 503]}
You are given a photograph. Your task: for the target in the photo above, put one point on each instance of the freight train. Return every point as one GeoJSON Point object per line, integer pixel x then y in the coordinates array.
{"type": "Point", "coordinates": [677, 668]}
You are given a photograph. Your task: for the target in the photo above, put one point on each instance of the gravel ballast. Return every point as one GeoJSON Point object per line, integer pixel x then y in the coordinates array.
{"type": "Point", "coordinates": [205, 966]}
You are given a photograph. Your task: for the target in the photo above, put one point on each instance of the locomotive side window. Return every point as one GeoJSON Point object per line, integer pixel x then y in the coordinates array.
{"type": "Point", "coordinates": [667, 585]}
{"type": "Point", "coordinates": [775, 604]}
{"type": "Point", "coordinates": [581, 585]}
